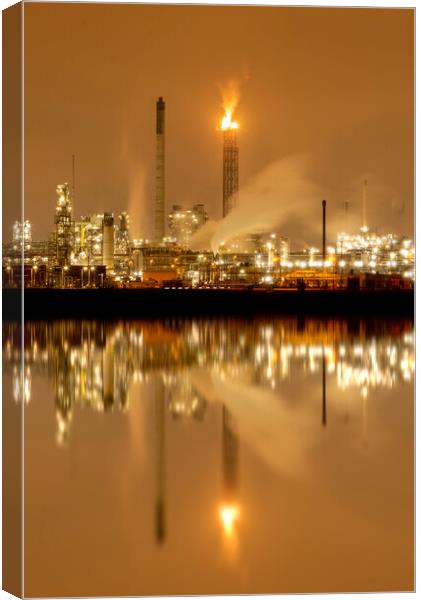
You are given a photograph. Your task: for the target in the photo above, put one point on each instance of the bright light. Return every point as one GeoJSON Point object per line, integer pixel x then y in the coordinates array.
{"type": "Point", "coordinates": [228, 515]}
{"type": "Point", "coordinates": [227, 122]}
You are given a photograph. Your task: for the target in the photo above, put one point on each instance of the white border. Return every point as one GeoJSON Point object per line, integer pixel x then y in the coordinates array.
{"type": "Point", "coordinates": [361, 3]}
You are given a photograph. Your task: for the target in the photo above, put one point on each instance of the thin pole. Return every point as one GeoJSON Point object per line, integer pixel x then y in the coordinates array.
{"type": "Point", "coordinates": [324, 232]}
{"type": "Point", "coordinates": [365, 226]}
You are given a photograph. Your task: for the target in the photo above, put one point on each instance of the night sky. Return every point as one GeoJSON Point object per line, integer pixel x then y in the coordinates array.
{"type": "Point", "coordinates": [334, 84]}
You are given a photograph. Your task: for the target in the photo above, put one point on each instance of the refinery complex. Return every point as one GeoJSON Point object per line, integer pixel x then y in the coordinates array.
{"type": "Point", "coordinates": [99, 251]}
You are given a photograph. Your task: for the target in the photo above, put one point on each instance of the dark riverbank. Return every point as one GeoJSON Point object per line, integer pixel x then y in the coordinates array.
{"type": "Point", "coordinates": [141, 303]}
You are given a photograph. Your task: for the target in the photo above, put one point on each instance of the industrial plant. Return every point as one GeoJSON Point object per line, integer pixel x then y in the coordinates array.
{"type": "Point", "coordinates": [98, 250]}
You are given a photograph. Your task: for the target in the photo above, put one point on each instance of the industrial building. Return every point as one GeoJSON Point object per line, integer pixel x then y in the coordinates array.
{"type": "Point", "coordinates": [64, 225]}
{"type": "Point", "coordinates": [97, 250]}
{"type": "Point", "coordinates": [183, 223]}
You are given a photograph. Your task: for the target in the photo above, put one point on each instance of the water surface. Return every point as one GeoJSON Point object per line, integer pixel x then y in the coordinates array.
{"type": "Point", "coordinates": [215, 456]}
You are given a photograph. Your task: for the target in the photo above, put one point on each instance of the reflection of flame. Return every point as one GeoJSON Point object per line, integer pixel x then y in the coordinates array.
{"type": "Point", "coordinates": [229, 514]}
{"type": "Point", "coordinates": [227, 122]}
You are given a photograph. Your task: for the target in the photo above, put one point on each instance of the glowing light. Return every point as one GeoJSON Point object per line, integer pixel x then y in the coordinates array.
{"type": "Point", "coordinates": [227, 122]}
{"type": "Point", "coordinates": [229, 515]}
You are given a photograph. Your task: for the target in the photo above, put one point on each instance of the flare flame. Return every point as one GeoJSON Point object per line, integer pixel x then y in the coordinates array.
{"type": "Point", "coordinates": [230, 98]}
{"type": "Point", "coordinates": [227, 122]}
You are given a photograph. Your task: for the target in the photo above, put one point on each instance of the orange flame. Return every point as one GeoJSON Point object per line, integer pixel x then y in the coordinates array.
{"type": "Point", "coordinates": [227, 122]}
{"type": "Point", "coordinates": [230, 98]}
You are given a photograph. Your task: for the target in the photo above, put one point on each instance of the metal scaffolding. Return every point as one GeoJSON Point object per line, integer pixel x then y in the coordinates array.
{"type": "Point", "coordinates": [230, 170]}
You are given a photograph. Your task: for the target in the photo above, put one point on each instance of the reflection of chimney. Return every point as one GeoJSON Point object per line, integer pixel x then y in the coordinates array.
{"type": "Point", "coordinates": [108, 374]}
{"type": "Point", "coordinates": [160, 171]}
{"type": "Point", "coordinates": [324, 407]}
{"type": "Point", "coordinates": [160, 529]}
{"type": "Point", "coordinates": [230, 170]}
{"type": "Point", "coordinates": [324, 232]}
{"type": "Point", "coordinates": [229, 456]}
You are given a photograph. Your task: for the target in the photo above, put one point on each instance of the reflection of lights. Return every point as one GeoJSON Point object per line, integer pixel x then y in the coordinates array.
{"type": "Point", "coordinates": [229, 515]}
{"type": "Point", "coordinates": [269, 352]}
{"type": "Point", "coordinates": [21, 385]}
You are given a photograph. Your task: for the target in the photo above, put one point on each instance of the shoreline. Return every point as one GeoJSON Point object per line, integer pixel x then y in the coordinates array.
{"type": "Point", "coordinates": [102, 303]}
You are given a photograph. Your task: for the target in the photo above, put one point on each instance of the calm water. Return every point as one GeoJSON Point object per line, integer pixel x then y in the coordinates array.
{"type": "Point", "coordinates": [221, 456]}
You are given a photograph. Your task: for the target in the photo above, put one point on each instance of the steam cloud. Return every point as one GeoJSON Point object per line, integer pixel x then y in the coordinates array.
{"type": "Point", "coordinates": [286, 197]}
{"type": "Point", "coordinates": [281, 196]}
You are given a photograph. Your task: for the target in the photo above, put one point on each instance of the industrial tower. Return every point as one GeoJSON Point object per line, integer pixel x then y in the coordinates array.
{"type": "Point", "coordinates": [160, 171]}
{"type": "Point", "coordinates": [230, 169]}
{"type": "Point", "coordinates": [64, 234]}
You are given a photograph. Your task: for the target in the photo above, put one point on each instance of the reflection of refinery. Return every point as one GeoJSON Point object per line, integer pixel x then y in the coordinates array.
{"type": "Point", "coordinates": [98, 251]}
{"type": "Point", "coordinates": [92, 364]}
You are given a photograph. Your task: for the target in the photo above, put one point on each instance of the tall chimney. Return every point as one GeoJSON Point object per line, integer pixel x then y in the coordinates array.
{"type": "Point", "coordinates": [160, 171]}
{"type": "Point", "coordinates": [324, 232]}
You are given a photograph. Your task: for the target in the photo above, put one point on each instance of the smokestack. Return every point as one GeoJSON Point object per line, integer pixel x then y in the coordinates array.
{"type": "Point", "coordinates": [230, 170]}
{"type": "Point", "coordinates": [324, 232]}
{"type": "Point", "coordinates": [160, 171]}
{"type": "Point", "coordinates": [364, 228]}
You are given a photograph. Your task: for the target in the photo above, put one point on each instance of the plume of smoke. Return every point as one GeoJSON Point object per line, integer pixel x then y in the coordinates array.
{"type": "Point", "coordinates": [130, 165]}
{"type": "Point", "coordinates": [202, 239]}
{"type": "Point", "coordinates": [281, 196]}
{"type": "Point", "coordinates": [286, 197]}
{"type": "Point", "coordinates": [137, 202]}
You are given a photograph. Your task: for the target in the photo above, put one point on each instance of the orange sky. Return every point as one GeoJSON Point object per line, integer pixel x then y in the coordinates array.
{"type": "Point", "coordinates": [333, 83]}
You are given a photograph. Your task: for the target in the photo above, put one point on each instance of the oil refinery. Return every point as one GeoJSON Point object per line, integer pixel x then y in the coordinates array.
{"type": "Point", "coordinates": [98, 250]}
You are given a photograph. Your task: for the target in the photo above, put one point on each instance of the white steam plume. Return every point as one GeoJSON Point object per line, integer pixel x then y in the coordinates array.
{"type": "Point", "coordinates": [281, 194]}
{"type": "Point", "coordinates": [286, 197]}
